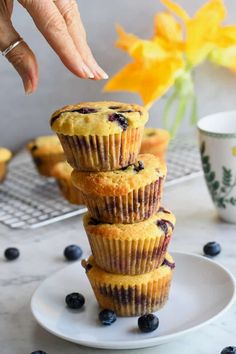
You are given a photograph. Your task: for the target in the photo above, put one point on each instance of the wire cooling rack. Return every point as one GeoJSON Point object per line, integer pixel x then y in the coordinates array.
{"type": "Point", "coordinates": [28, 200]}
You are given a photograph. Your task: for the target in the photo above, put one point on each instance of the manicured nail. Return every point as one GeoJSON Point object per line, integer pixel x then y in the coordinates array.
{"type": "Point", "coordinates": [88, 72]}
{"type": "Point", "coordinates": [28, 86]}
{"type": "Point", "coordinates": [105, 76]}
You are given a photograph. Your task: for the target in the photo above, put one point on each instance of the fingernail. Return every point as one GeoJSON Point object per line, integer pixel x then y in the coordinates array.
{"type": "Point", "coordinates": [88, 72]}
{"type": "Point", "coordinates": [28, 86]}
{"type": "Point", "coordinates": [105, 76]}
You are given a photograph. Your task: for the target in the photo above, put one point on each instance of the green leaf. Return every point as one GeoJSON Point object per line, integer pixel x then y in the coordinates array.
{"type": "Point", "coordinates": [207, 168]}
{"type": "Point", "coordinates": [233, 201]}
{"type": "Point", "coordinates": [210, 177]}
{"type": "Point", "coordinates": [205, 159]}
{"type": "Point", "coordinates": [227, 177]}
{"type": "Point", "coordinates": [216, 185]}
{"type": "Point", "coordinates": [223, 190]}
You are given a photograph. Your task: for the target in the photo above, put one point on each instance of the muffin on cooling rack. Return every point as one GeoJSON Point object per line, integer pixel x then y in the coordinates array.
{"type": "Point", "coordinates": [129, 195]}
{"type": "Point", "coordinates": [130, 248]}
{"type": "Point", "coordinates": [100, 136]}
{"type": "Point", "coordinates": [131, 295]}
{"type": "Point", "coordinates": [155, 141]}
{"type": "Point", "coordinates": [46, 152]}
{"type": "Point", "coordinates": [62, 173]}
{"type": "Point", "coordinates": [5, 156]}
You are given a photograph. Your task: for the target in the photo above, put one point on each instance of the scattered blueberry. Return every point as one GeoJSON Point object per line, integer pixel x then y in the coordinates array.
{"type": "Point", "coordinates": [148, 323]}
{"type": "Point", "coordinates": [139, 166]}
{"type": "Point", "coordinates": [73, 252]}
{"type": "Point", "coordinates": [11, 253]}
{"type": "Point", "coordinates": [39, 352]}
{"type": "Point", "coordinates": [120, 119]}
{"type": "Point", "coordinates": [107, 317]}
{"type": "Point", "coordinates": [229, 350]}
{"type": "Point", "coordinates": [212, 249]}
{"type": "Point", "coordinates": [75, 300]}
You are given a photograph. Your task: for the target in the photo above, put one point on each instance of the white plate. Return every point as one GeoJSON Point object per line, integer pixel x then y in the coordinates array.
{"type": "Point", "coordinates": [201, 291]}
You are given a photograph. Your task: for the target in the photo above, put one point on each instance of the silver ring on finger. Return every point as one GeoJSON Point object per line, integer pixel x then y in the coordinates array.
{"type": "Point", "coordinates": [12, 46]}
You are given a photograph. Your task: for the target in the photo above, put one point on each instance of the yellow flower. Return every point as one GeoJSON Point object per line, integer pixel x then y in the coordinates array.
{"type": "Point", "coordinates": [225, 52]}
{"type": "Point", "coordinates": [150, 78]}
{"type": "Point", "coordinates": [234, 151]}
{"type": "Point", "coordinates": [153, 70]}
{"type": "Point", "coordinates": [169, 30]}
{"type": "Point", "coordinates": [202, 31]}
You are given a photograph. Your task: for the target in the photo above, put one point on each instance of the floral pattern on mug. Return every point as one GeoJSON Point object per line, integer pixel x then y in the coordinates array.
{"type": "Point", "coordinates": [221, 192]}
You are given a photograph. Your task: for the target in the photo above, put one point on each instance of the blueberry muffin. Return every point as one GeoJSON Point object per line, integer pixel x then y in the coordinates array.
{"type": "Point", "coordinates": [130, 248]}
{"type": "Point", "coordinates": [131, 295]}
{"type": "Point", "coordinates": [125, 196]}
{"type": "Point", "coordinates": [46, 152]}
{"type": "Point", "coordinates": [155, 141]}
{"type": "Point", "coordinates": [62, 173]}
{"type": "Point", "coordinates": [100, 136]}
{"type": "Point", "coordinates": [5, 156]}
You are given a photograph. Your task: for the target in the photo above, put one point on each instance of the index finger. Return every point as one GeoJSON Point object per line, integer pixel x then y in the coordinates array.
{"type": "Point", "coordinates": [51, 24]}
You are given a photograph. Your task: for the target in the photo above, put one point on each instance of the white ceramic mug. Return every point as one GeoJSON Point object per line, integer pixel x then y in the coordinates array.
{"type": "Point", "coordinates": [217, 137]}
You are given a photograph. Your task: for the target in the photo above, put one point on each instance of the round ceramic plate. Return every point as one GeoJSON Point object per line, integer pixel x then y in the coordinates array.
{"type": "Point", "coordinates": [201, 291]}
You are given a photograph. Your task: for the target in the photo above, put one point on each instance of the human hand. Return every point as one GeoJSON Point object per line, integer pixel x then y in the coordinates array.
{"type": "Point", "coordinates": [60, 23]}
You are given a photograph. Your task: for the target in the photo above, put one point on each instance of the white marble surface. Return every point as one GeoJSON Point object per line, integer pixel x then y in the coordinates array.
{"type": "Point", "coordinates": [41, 255]}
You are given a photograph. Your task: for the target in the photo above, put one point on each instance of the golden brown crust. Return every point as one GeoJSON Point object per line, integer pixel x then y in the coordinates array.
{"type": "Point", "coordinates": [149, 228]}
{"type": "Point", "coordinates": [45, 145]}
{"type": "Point", "coordinates": [69, 121]}
{"type": "Point", "coordinates": [120, 182]}
{"type": "Point", "coordinates": [62, 170]}
{"type": "Point", "coordinates": [102, 276]}
{"type": "Point", "coordinates": [5, 154]}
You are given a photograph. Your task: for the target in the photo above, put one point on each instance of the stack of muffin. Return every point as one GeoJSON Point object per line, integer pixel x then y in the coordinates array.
{"type": "Point", "coordinates": [130, 270]}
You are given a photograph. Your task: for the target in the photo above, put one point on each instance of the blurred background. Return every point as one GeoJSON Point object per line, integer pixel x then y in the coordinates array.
{"type": "Point", "coordinates": [24, 117]}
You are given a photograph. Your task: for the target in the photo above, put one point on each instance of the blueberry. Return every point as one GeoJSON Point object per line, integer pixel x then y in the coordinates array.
{"type": "Point", "coordinates": [139, 166]}
{"type": "Point", "coordinates": [11, 253]}
{"type": "Point", "coordinates": [72, 252]}
{"type": "Point", "coordinates": [39, 352]}
{"type": "Point", "coordinates": [212, 249]}
{"type": "Point", "coordinates": [229, 350]}
{"type": "Point", "coordinates": [120, 119]}
{"type": "Point", "coordinates": [86, 110]}
{"type": "Point", "coordinates": [148, 323]}
{"type": "Point", "coordinates": [75, 300]}
{"type": "Point", "coordinates": [107, 317]}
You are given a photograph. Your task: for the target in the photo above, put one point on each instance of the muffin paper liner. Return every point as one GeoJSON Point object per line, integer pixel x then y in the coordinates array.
{"type": "Point", "coordinates": [133, 207]}
{"type": "Point", "coordinates": [46, 163]}
{"type": "Point", "coordinates": [130, 257]}
{"type": "Point", "coordinates": [70, 193]}
{"type": "Point", "coordinates": [102, 153]}
{"type": "Point", "coordinates": [134, 300]}
{"type": "Point", "coordinates": [3, 171]}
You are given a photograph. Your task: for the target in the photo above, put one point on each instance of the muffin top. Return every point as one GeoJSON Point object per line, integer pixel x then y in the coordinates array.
{"type": "Point", "coordinates": [5, 154]}
{"type": "Point", "coordinates": [62, 170]}
{"type": "Point", "coordinates": [45, 145]}
{"type": "Point", "coordinates": [159, 225]}
{"type": "Point", "coordinates": [98, 118]}
{"type": "Point", "coordinates": [155, 134]}
{"type": "Point", "coordinates": [120, 182]}
{"type": "Point", "coordinates": [96, 273]}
